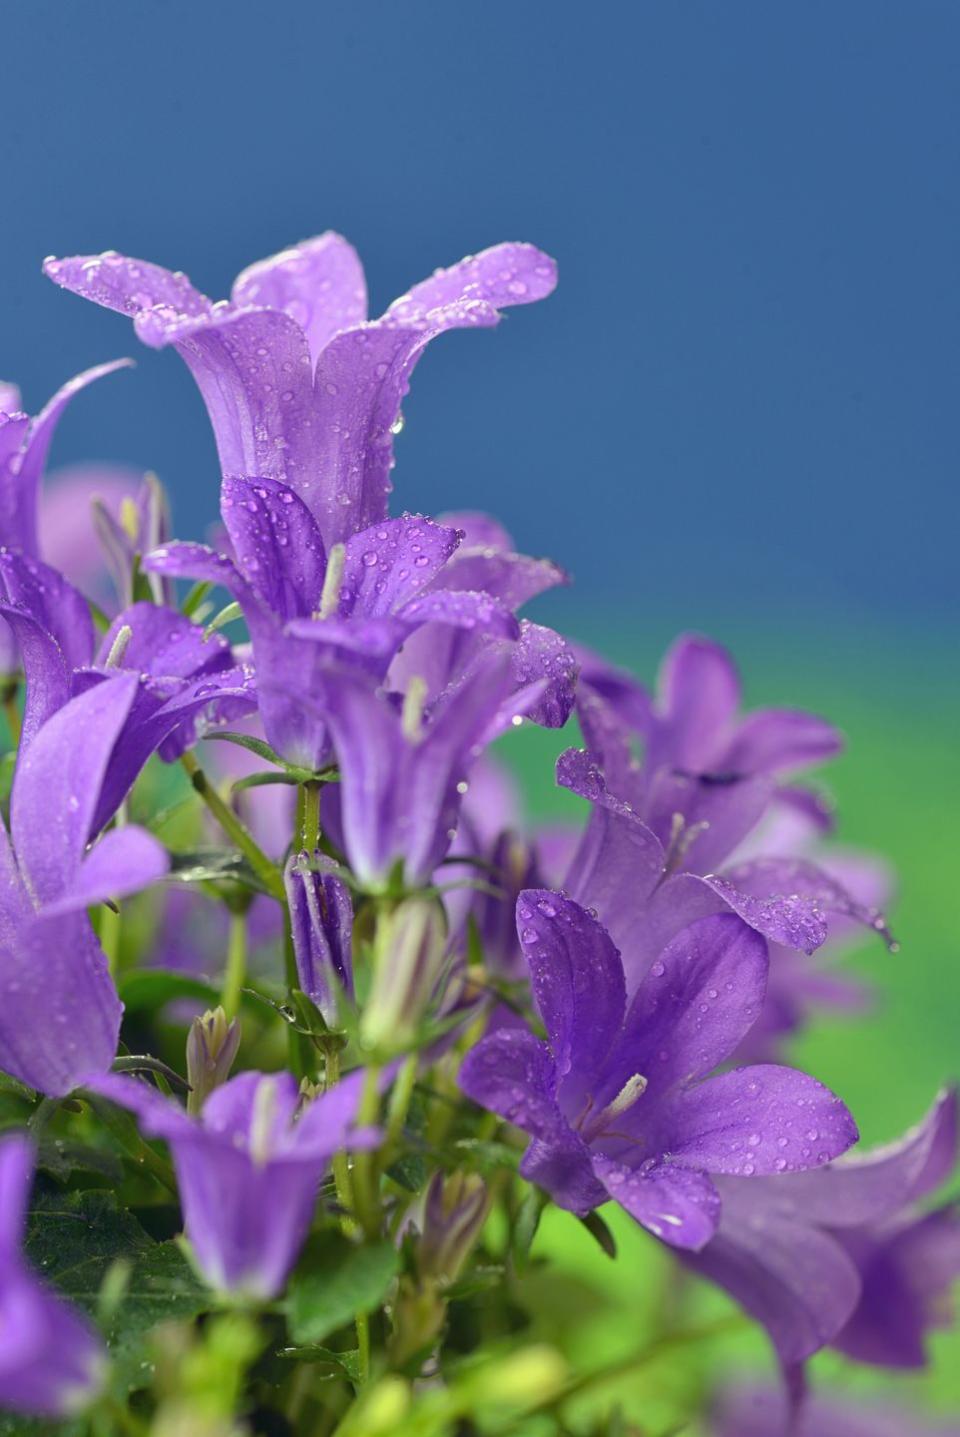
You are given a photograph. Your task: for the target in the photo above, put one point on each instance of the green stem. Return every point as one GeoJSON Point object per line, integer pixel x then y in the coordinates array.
{"type": "Point", "coordinates": [110, 936]}
{"type": "Point", "coordinates": [363, 1347]}
{"type": "Point", "coordinates": [400, 1104]}
{"type": "Point", "coordinates": [366, 1175]}
{"type": "Point", "coordinates": [310, 823]}
{"type": "Point", "coordinates": [235, 972]}
{"type": "Point", "coordinates": [233, 826]}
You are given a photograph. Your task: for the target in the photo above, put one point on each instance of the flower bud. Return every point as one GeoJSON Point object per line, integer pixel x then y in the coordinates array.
{"type": "Point", "coordinates": [409, 956]}
{"type": "Point", "coordinates": [321, 923]}
{"type": "Point", "coordinates": [212, 1045]}
{"type": "Point", "coordinates": [455, 1210]}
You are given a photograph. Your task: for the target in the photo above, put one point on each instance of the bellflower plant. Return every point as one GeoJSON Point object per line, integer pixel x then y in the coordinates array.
{"type": "Point", "coordinates": [306, 1029]}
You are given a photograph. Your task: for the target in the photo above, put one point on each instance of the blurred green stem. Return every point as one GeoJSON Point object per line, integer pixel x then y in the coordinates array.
{"type": "Point", "coordinates": [234, 827]}
{"type": "Point", "coordinates": [236, 970]}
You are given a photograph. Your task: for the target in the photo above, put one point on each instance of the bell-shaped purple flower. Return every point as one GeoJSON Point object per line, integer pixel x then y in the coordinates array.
{"type": "Point", "coordinates": [299, 386]}
{"type": "Point", "coordinates": [52, 1363]}
{"type": "Point", "coordinates": [59, 1010]}
{"type": "Point", "coordinates": [845, 1255]}
{"type": "Point", "coordinates": [620, 1102]}
{"type": "Point", "coordinates": [248, 1168]}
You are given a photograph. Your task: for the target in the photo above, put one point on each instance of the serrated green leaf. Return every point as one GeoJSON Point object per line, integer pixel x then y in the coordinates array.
{"type": "Point", "coordinates": [343, 1281]}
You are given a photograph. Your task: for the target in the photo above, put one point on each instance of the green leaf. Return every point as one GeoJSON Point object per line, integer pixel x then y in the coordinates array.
{"type": "Point", "coordinates": [598, 1230]}
{"type": "Point", "coordinates": [75, 1239]}
{"type": "Point", "coordinates": [195, 597]}
{"type": "Point", "coordinates": [247, 741]}
{"type": "Point", "coordinates": [347, 1363]}
{"type": "Point", "coordinates": [61, 1158]}
{"type": "Point", "coordinates": [214, 865]}
{"type": "Point", "coordinates": [147, 989]}
{"type": "Point", "coordinates": [260, 780]}
{"type": "Point", "coordinates": [7, 764]}
{"type": "Point", "coordinates": [345, 1281]}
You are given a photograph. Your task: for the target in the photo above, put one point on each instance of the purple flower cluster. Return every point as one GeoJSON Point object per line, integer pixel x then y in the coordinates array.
{"type": "Point", "coordinates": [618, 996]}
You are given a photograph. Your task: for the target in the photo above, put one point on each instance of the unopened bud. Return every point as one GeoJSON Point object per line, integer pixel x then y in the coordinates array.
{"type": "Point", "coordinates": [212, 1045]}
{"type": "Point", "coordinates": [454, 1212]}
{"type": "Point", "coordinates": [409, 957]}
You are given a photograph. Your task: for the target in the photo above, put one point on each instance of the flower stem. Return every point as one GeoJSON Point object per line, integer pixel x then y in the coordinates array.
{"type": "Point", "coordinates": [363, 1347]}
{"type": "Point", "coordinates": [310, 830]}
{"type": "Point", "coordinates": [366, 1176]}
{"type": "Point", "coordinates": [400, 1103]}
{"type": "Point", "coordinates": [235, 972]}
{"type": "Point", "coordinates": [233, 826]}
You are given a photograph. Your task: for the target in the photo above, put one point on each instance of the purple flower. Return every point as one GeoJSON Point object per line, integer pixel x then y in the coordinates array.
{"type": "Point", "coordinates": [52, 1364]}
{"type": "Point", "coordinates": [844, 1255]}
{"type": "Point", "coordinates": [24, 446]}
{"type": "Point", "coordinates": [752, 1412]}
{"type": "Point", "coordinates": [60, 1015]}
{"type": "Point", "coordinates": [619, 1101]}
{"type": "Point", "coordinates": [321, 923]}
{"type": "Point", "coordinates": [300, 387]}
{"type": "Point", "coordinates": [248, 1168]}
{"type": "Point", "coordinates": [403, 772]}
{"type": "Point", "coordinates": [659, 827]}
{"type": "Point", "coordinates": [305, 610]}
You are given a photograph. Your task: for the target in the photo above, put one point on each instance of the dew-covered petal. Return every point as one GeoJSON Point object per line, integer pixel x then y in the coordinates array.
{"type": "Point", "coordinates": [183, 560]}
{"type": "Point", "coordinates": [781, 741]}
{"type": "Point", "coordinates": [788, 899]}
{"type": "Point", "coordinates": [59, 1010]}
{"type": "Point", "coordinates": [577, 981]}
{"type": "Point", "coordinates": [46, 601]}
{"type": "Point", "coordinates": [476, 613]}
{"type": "Point", "coordinates": [760, 1120]}
{"type": "Point", "coordinates": [319, 283]}
{"type": "Point", "coordinates": [67, 760]}
{"type": "Point", "coordinates": [253, 369]}
{"type": "Point", "coordinates": [512, 1073]}
{"type": "Point", "coordinates": [680, 1207]}
{"type": "Point", "coordinates": [692, 1008]}
{"type": "Point", "coordinates": [388, 564]}
{"type": "Point", "coordinates": [276, 542]}
{"type": "Point", "coordinates": [479, 530]}
{"type": "Point", "coordinates": [873, 1185]}
{"type": "Point", "coordinates": [504, 275]}
{"type": "Point", "coordinates": [126, 285]}
{"type": "Point", "coordinates": [165, 644]}
{"type": "Point", "coordinates": [562, 1167]}
{"type": "Point", "coordinates": [718, 811]}
{"type": "Point", "coordinates": [542, 654]}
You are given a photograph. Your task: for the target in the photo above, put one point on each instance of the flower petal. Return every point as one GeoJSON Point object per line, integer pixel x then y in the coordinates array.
{"type": "Point", "coordinates": [698, 696]}
{"type": "Point", "coordinates": [577, 981]}
{"type": "Point", "coordinates": [510, 1072]}
{"type": "Point", "coordinates": [682, 1208]}
{"type": "Point", "coordinates": [388, 564]}
{"type": "Point", "coordinates": [67, 760]}
{"type": "Point", "coordinates": [127, 285]}
{"type": "Point", "coordinates": [122, 862]}
{"type": "Point", "coordinates": [321, 921]}
{"type": "Point", "coordinates": [781, 740]}
{"type": "Point", "coordinates": [60, 1014]}
{"type": "Point", "coordinates": [319, 283]}
{"type": "Point", "coordinates": [691, 1009]}
{"type": "Point", "coordinates": [277, 544]}
{"type": "Point", "coordinates": [795, 1280]}
{"type": "Point", "coordinates": [504, 275]}
{"type": "Point", "coordinates": [763, 1119]}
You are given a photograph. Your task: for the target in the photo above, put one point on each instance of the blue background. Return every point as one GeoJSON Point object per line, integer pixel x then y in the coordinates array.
{"type": "Point", "coordinates": [741, 402]}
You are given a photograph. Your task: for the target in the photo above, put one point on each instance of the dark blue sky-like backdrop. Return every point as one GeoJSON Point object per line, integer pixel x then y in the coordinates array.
{"type": "Point", "coordinates": [743, 397]}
